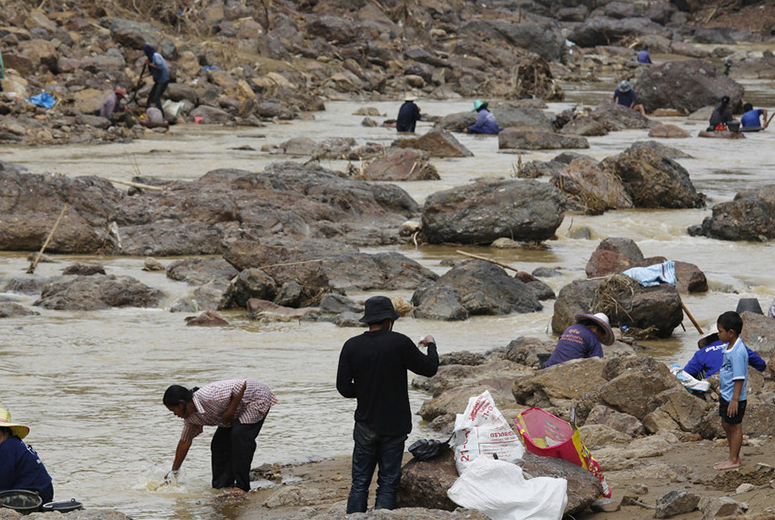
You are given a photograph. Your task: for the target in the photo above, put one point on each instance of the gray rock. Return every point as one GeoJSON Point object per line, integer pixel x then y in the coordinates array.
{"type": "Point", "coordinates": [668, 151]}
{"type": "Point", "coordinates": [198, 271]}
{"type": "Point", "coordinates": [676, 503]}
{"type": "Point", "coordinates": [622, 422]}
{"type": "Point", "coordinates": [384, 271]}
{"type": "Point", "coordinates": [210, 115]}
{"type": "Point", "coordinates": [541, 290]}
{"type": "Point", "coordinates": [438, 143]}
{"type": "Point", "coordinates": [750, 216]}
{"type": "Point", "coordinates": [605, 31]}
{"type": "Point", "coordinates": [482, 212]}
{"type": "Point", "coordinates": [686, 85]}
{"type": "Point", "coordinates": [525, 351]}
{"type": "Point", "coordinates": [719, 507]}
{"type": "Point", "coordinates": [401, 165]}
{"type": "Point", "coordinates": [14, 310]}
{"type": "Point", "coordinates": [483, 288]}
{"type": "Point", "coordinates": [532, 139]}
{"type": "Point", "coordinates": [335, 303]}
{"type": "Point", "coordinates": [291, 294]}
{"type": "Point", "coordinates": [457, 122]}
{"type": "Point", "coordinates": [26, 284]}
{"type": "Point", "coordinates": [348, 319]}
{"type": "Point", "coordinates": [251, 283]}
{"type": "Point", "coordinates": [97, 292]}
{"type": "Point", "coordinates": [439, 303]}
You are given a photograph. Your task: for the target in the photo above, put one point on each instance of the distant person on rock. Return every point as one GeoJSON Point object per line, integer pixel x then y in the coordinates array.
{"type": "Point", "coordinates": [707, 360]}
{"type": "Point", "coordinates": [408, 115]}
{"type": "Point", "coordinates": [155, 118]}
{"type": "Point", "coordinates": [20, 466]}
{"type": "Point", "coordinates": [733, 384]}
{"type": "Point", "coordinates": [643, 55]}
{"type": "Point", "coordinates": [625, 96]}
{"type": "Point", "coordinates": [485, 120]}
{"type": "Point", "coordinates": [372, 369]}
{"type": "Point", "coordinates": [159, 72]}
{"type": "Point", "coordinates": [753, 119]}
{"type": "Point", "coordinates": [721, 115]}
{"type": "Point", "coordinates": [112, 108]}
{"type": "Point", "coordinates": [726, 68]}
{"type": "Point", "coordinates": [583, 339]}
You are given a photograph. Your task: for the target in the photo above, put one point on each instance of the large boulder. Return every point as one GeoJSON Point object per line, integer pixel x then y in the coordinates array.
{"type": "Point", "coordinates": [653, 180]}
{"type": "Point", "coordinates": [199, 271]}
{"type": "Point", "coordinates": [534, 139]}
{"type": "Point", "coordinates": [615, 117]}
{"type": "Point", "coordinates": [483, 288]}
{"type": "Point", "coordinates": [438, 143]}
{"type": "Point", "coordinates": [594, 189]}
{"type": "Point", "coordinates": [655, 311]}
{"type": "Point", "coordinates": [31, 203]}
{"type": "Point", "coordinates": [749, 216]}
{"type": "Point", "coordinates": [608, 31]}
{"type": "Point", "coordinates": [425, 483]}
{"type": "Point", "coordinates": [97, 292]}
{"type": "Point", "coordinates": [637, 385]}
{"type": "Point", "coordinates": [287, 201]}
{"type": "Point", "coordinates": [482, 212]}
{"type": "Point", "coordinates": [401, 165]}
{"type": "Point", "coordinates": [543, 37]}
{"type": "Point", "coordinates": [510, 116]}
{"type": "Point", "coordinates": [380, 271]}
{"type": "Point", "coordinates": [456, 122]}
{"type": "Point", "coordinates": [758, 333]}
{"type": "Point", "coordinates": [686, 85]}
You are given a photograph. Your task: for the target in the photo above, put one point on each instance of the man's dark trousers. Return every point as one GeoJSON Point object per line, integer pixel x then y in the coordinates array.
{"type": "Point", "coordinates": [232, 454]}
{"type": "Point", "coordinates": [371, 449]}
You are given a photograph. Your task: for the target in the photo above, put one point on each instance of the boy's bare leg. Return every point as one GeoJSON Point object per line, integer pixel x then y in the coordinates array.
{"type": "Point", "coordinates": [735, 440]}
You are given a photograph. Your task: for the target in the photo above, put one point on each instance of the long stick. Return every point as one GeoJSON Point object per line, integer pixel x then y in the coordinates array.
{"type": "Point", "coordinates": [506, 266]}
{"type": "Point", "coordinates": [34, 263]}
{"type": "Point", "coordinates": [770, 119]}
{"type": "Point", "coordinates": [689, 314]}
{"type": "Point", "coordinates": [290, 263]}
{"type": "Point", "coordinates": [137, 87]}
{"type": "Point", "coordinates": [137, 185]}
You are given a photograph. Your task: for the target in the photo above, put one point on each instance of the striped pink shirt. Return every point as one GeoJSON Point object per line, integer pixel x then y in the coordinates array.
{"type": "Point", "coordinates": [213, 399]}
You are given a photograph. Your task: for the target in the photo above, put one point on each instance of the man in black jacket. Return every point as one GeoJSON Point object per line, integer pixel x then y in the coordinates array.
{"type": "Point", "coordinates": [408, 115]}
{"type": "Point", "coordinates": [372, 368]}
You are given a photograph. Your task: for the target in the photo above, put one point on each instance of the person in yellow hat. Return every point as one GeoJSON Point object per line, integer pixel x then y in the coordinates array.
{"type": "Point", "coordinates": [20, 466]}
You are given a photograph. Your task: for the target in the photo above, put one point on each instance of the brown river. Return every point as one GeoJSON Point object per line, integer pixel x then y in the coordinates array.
{"type": "Point", "coordinates": [90, 383]}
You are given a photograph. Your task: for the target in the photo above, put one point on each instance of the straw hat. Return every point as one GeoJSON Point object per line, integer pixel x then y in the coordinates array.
{"type": "Point", "coordinates": [602, 320]}
{"type": "Point", "coordinates": [19, 430]}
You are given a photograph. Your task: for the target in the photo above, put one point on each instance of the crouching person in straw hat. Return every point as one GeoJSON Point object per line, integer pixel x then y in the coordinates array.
{"type": "Point", "coordinates": [20, 466]}
{"type": "Point", "coordinates": [582, 340]}
{"type": "Point", "coordinates": [372, 368]}
{"type": "Point", "coordinates": [238, 408]}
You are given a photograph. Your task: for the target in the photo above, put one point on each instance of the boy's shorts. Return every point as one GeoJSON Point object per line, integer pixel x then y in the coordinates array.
{"type": "Point", "coordinates": [722, 411]}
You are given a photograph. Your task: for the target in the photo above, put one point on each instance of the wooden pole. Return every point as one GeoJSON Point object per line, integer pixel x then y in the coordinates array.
{"type": "Point", "coordinates": [137, 185]}
{"type": "Point", "coordinates": [770, 119]}
{"type": "Point", "coordinates": [290, 263]}
{"type": "Point", "coordinates": [34, 263]}
{"type": "Point", "coordinates": [505, 266]}
{"type": "Point", "coordinates": [689, 314]}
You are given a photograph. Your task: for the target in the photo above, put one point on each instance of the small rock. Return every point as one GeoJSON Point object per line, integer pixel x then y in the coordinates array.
{"type": "Point", "coordinates": [744, 488]}
{"type": "Point", "coordinates": [83, 269]}
{"type": "Point", "coordinates": [606, 505]}
{"type": "Point", "coordinates": [44, 258]}
{"type": "Point", "coordinates": [582, 233]}
{"type": "Point", "coordinates": [206, 319]}
{"type": "Point", "coordinates": [151, 264]}
{"type": "Point", "coordinates": [639, 489]}
{"type": "Point", "coordinates": [676, 503]}
{"type": "Point", "coordinates": [719, 507]}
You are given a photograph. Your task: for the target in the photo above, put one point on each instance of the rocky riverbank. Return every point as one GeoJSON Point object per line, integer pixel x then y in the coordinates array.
{"type": "Point", "coordinates": [240, 63]}
{"type": "Point", "coordinates": [648, 443]}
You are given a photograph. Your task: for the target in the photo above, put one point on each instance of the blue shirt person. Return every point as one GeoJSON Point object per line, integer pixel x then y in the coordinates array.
{"type": "Point", "coordinates": [643, 55]}
{"type": "Point", "coordinates": [733, 382]}
{"type": "Point", "coordinates": [485, 120]}
{"type": "Point", "coordinates": [625, 96]}
{"type": "Point", "coordinates": [160, 74]}
{"type": "Point", "coordinates": [734, 367]}
{"type": "Point", "coordinates": [582, 340]}
{"type": "Point", "coordinates": [752, 118]}
{"type": "Point", "coordinates": [707, 360]}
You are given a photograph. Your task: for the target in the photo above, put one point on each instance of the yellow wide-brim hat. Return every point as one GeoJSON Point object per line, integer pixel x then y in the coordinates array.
{"type": "Point", "coordinates": [18, 430]}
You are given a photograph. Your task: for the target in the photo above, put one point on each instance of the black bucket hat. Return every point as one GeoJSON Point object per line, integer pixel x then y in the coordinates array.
{"type": "Point", "coordinates": [379, 309]}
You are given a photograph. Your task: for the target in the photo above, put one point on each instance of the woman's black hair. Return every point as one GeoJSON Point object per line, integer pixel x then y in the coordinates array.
{"type": "Point", "coordinates": [8, 432]}
{"type": "Point", "coordinates": [177, 393]}
{"type": "Point", "coordinates": [747, 107]}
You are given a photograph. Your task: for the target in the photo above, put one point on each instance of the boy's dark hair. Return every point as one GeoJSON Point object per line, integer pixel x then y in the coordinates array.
{"type": "Point", "coordinates": [731, 320]}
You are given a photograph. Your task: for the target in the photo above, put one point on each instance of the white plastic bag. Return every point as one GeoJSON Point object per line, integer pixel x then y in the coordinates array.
{"type": "Point", "coordinates": [483, 429]}
{"type": "Point", "coordinates": [499, 490]}
{"type": "Point", "coordinates": [689, 381]}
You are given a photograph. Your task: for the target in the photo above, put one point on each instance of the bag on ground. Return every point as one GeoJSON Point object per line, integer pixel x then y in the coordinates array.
{"type": "Point", "coordinates": [499, 490]}
{"type": "Point", "coordinates": [549, 436]}
{"type": "Point", "coordinates": [427, 449]}
{"type": "Point", "coordinates": [482, 429]}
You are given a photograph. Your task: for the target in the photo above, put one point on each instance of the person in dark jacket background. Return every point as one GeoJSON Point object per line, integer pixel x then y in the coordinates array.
{"type": "Point", "coordinates": [485, 120]}
{"type": "Point", "coordinates": [408, 115]}
{"type": "Point", "coordinates": [372, 369]}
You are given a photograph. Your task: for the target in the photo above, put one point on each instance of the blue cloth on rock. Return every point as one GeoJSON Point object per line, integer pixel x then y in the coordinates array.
{"type": "Point", "coordinates": [653, 274]}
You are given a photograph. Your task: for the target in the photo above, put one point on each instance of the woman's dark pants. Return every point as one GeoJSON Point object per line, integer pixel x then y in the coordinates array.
{"type": "Point", "coordinates": [232, 454]}
{"type": "Point", "coordinates": [371, 449]}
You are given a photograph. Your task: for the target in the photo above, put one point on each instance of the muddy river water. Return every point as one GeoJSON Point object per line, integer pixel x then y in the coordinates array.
{"type": "Point", "coordinates": [90, 383]}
